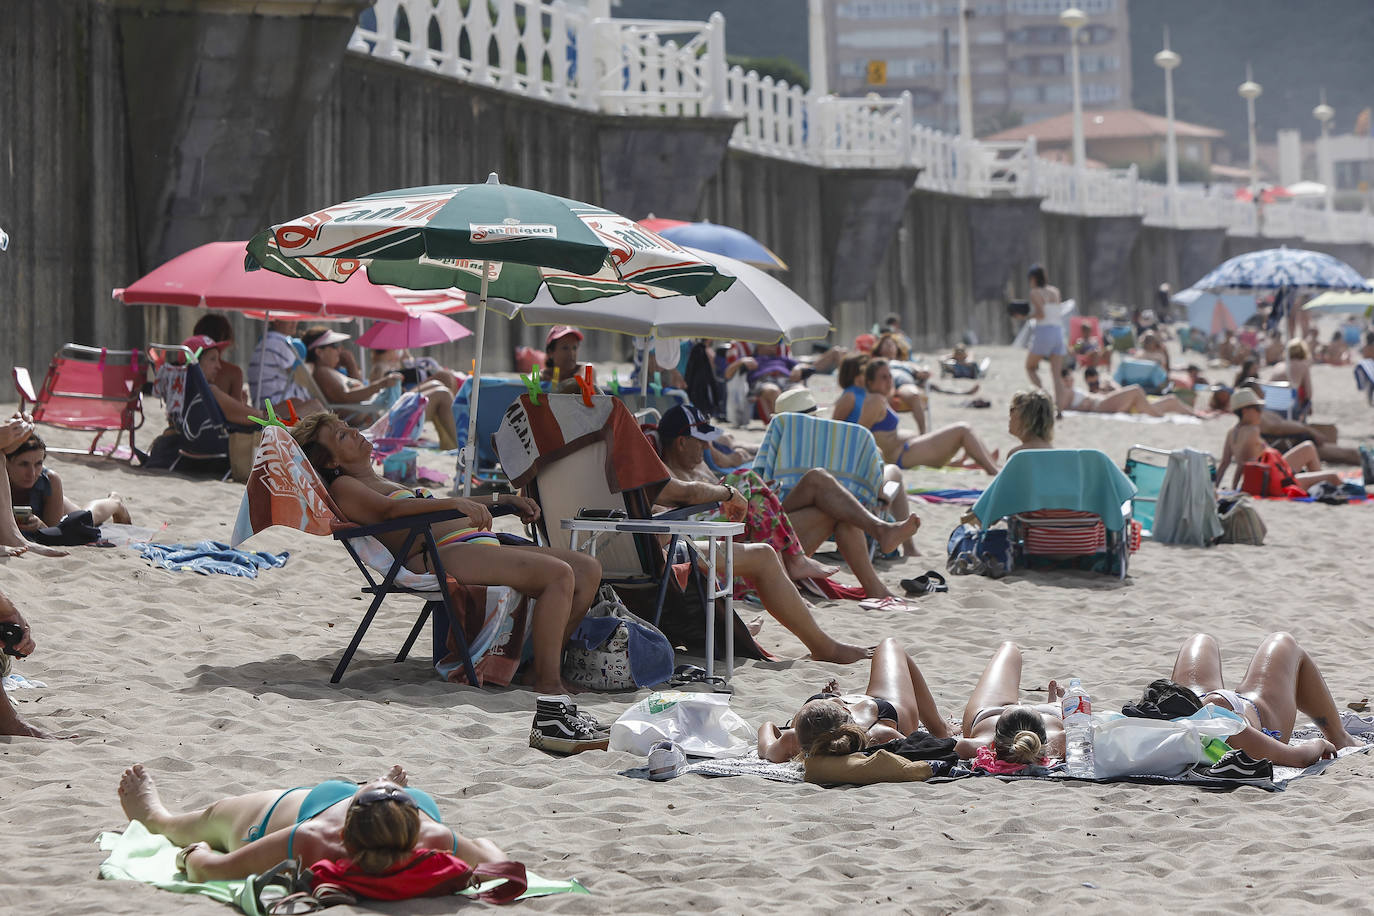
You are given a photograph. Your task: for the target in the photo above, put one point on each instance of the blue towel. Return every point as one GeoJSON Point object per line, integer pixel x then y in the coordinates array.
{"type": "Point", "coordinates": [651, 655]}
{"type": "Point", "coordinates": [1084, 480]}
{"type": "Point", "coordinates": [211, 557]}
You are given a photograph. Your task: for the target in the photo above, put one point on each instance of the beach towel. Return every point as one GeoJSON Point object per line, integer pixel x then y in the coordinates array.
{"type": "Point", "coordinates": [748, 765]}
{"type": "Point", "coordinates": [137, 855]}
{"type": "Point", "coordinates": [210, 557]}
{"type": "Point", "coordinates": [532, 435]}
{"type": "Point", "coordinates": [1186, 512]}
{"type": "Point", "coordinates": [1084, 480]}
{"type": "Point", "coordinates": [957, 497]}
{"type": "Point", "coordinates": [1137, 417]}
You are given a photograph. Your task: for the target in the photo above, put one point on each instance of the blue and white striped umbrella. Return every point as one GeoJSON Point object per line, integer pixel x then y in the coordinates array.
{"type": "Point", "coordinates": [1291, 269]}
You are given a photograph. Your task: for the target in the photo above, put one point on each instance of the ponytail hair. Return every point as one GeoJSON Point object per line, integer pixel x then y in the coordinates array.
{"type": "Point", "coordinates": [825, 728]}
{"type": "Point", "coordinates": [1020, 736]}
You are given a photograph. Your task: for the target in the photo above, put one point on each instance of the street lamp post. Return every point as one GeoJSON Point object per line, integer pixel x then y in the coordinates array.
{"type": "Point", "coordinates": [1324, 113]}
{"type": "Point", "coordinates": [1168, 60]}
{"type": "Point", "coordinates": [1073, 19]}
{"type": "Point", "coordinates": [1250, 90]}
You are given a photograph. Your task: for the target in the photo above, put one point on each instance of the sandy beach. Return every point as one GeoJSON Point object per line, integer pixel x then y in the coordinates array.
{"type": "Point", "coordinates": [221, 685]}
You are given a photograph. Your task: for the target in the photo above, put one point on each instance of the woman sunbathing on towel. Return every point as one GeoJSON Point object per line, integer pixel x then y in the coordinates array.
{"type": "Point", "coordinates": [1281, 681]}
{"type": "Point", "coordinates": [378, 825]}
{"type": "Point", "coordinates": [39, 488]}
{"type": "Point", "coordinates": [1131, 399]}
{"type": "Point", "coordinates": [563, 583]}
{"type": "Point", "coordinates": [868, 405]}
{"type": "Point", "coordinates": [13, 431]}
{"type": "Point", "coordinates": [895, 703]}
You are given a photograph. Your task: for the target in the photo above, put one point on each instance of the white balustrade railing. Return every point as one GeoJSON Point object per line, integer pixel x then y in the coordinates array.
{"type": "Point", "coordinates": [566, 55]}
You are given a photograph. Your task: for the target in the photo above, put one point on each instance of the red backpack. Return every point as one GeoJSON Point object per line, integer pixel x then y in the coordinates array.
{"type": "Point", "coordinates": [429, 873]}
{"type": "Point", "coordinates": [1271, 475]}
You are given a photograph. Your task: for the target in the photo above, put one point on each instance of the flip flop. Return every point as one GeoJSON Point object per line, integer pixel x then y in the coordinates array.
{"type": "Point", "coordinates": [693, 675]}
{"type": "Point", "coordinates": [930, 583]}
{"type": "Point", "coordinates": [890, 603]}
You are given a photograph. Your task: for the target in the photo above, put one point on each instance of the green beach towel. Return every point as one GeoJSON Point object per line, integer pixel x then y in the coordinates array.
{"type": "Point", "coordinates": [137, 855]}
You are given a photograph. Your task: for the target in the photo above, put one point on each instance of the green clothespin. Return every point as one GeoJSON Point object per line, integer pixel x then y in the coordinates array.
{"type": "Point", "coordinates": [615, 382]}
{"type": "Point", "coordinates": [532, 385]}
{"type": "Point", "coordinates": [657, 386]}
{"type": "Point", "coordinates": [271, 417]}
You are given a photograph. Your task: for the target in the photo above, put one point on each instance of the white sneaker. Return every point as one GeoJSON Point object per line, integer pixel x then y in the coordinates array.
{"type": "Point", "coordinates": [666, 761]}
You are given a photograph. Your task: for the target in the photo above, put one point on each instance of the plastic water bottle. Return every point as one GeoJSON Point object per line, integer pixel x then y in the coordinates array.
{"type": "Point", "coordinates": [1077, 711]}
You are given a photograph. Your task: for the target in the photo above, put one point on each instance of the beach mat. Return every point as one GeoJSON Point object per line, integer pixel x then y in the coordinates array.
{"type": "Point", "coordinates": [137, 855]}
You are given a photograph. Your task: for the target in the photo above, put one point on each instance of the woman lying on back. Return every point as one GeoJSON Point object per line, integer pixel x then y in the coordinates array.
{"type": "Point", "coordinates": [563, 583]}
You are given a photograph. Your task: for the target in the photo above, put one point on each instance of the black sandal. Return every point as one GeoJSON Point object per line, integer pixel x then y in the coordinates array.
{"type": "Point", "coordinates": [929, 584]}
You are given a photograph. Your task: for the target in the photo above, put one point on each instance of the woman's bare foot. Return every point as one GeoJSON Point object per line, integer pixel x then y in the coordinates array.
{"type": "Point", "coordinates": [897, 533]}
{"type": "Point", "coordinates": [800, 566]}
{"type": "Point", "coordinates": [755, 626]}
{"type": "Point", "coordinates": [139, 799]}
{"type": "Point", "coordinates": [43, 550]}
{"type": "Point", "coordinates": [120, 516]}
{"type": "Point", "coordinates": [843, 654]}
{"type": "Point", "coordinates": [397, 774]}
{"type": "Point", "coordinates": [7, 551]}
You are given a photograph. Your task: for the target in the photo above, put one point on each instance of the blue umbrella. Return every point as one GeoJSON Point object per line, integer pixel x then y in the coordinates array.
{"type": "Point", "coordinates": [717, 239]}
{"type": "Point", "coordinates": [1289, 269]}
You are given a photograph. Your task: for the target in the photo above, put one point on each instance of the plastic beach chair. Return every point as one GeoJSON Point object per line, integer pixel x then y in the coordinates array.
{"type": "Point", "coordinates": [93, 389]}
{"type": "Point", "coordinates": [1282, 400]}
{"type": "Point", "coordinates": [1146, 467]}
{"type": "Point", "coordinates": [283, 489]}
{"type": "Point", "coordinates": [1146, 373]}
{"type": "Point", "coordinates": [1063, 506]}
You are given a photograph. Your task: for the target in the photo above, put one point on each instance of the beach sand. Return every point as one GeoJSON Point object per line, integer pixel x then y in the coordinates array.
{"type": "Point", "coordinates": [221, 685]}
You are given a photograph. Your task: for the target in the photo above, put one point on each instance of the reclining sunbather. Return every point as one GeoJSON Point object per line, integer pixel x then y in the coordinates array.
{"type": "Point", "coordinates": [40, 488]}
{"type": "Point", "coordinates": [12, 541]}
{"type": "Point", "coordinates": [378, 825]}
{"type": "Point", "coordinates": [331, 369]}
{"type": "Point", "coordinates": [563, 583]}
{"type": "Point", "coordinates": [817, 508]}
{"type": "Point", "coordinates": [895, 703]}
{"type": "Point", "coordinates": [1281, 681]}
{"type": "Point", "coordinates": [1001, 733]}
{"type": "Point", "coordinates": [1130, 399]}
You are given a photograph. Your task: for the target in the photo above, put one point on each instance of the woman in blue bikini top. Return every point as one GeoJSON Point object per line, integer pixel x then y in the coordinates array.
{"type": "Point", "coordinates": [377, 824]}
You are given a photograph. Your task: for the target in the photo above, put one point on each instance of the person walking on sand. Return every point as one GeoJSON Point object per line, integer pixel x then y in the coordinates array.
{"type": "Point", "coordinates": [1047, 339]}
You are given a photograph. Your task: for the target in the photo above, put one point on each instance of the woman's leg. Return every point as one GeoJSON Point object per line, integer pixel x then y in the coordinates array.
{"type": "Point", "coordinates": [934, 450]}
{"type": "Point", "coordinates": [541, 574]}
{"type": "Point", "coordinates": [900, 506]}
{"type": "Point", "coordinates": [1000, 684]}
{"type": "Point", "coordinates": [1282, 680]}
{"type": "Point", "coordinates": [819, 489]}
{"type": "Point", "coordinates": [759, 564]}
{"type": "Point", "coordinates": [1198, 665]}
{"type": "Point", "coordinates": [1130, 399]}
{"type": "Point", "coordinates": [12, 540]}
{"type": "Point", "coordinates": [1169, 404]}
{"type": "Point", "coordinates": [108, 509]}
{"type": "Point", "coordinates": [586, 576]}
{"type": "Point", "coordinates": [223, 824]}
{"type": "Point", "coordinates": [1303, 457]}
{"type": "Point", "coordinates": [439, 411]}
{"type": "Point", "coordinates": [913, 399]}
{"type": "Point", "coordinates": [854, 548]}
{"type": "Point", "coordinates": [895, 677]}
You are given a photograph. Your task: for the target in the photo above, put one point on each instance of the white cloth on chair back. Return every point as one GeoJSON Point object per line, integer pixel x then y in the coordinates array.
{"type": "Point", "coordinates": [1187, 509]}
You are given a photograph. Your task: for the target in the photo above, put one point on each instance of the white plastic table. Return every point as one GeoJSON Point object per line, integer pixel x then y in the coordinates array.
{"type": "Point", "coordinates": [714, 533]}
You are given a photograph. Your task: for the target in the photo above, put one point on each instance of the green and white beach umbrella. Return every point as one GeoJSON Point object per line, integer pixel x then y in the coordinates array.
{"type": "Point", "coordinates": [491, 239]}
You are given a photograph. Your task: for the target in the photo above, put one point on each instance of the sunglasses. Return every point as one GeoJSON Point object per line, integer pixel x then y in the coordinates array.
{"type": "Point", "coordinates": [379, 794]}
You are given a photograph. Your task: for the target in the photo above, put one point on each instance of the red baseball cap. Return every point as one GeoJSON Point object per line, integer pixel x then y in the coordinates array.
{"type": "Point", "coordinates": [203, 342]}
{"type": "Point", "coordinates": [562, 330]}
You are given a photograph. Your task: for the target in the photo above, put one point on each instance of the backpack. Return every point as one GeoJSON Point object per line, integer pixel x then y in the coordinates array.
{"type": "Point", "coordinates": [1271, 475]}
{"type": "Point", "coordinates": [1241, 522]}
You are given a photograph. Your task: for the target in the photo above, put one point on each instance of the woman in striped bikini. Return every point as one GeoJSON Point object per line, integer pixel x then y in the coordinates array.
{"type": "Point", "coordinates": [563, 583]}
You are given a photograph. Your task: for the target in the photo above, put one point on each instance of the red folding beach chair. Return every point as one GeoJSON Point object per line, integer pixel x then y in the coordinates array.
{"type": "Point", "coordinates": [94, 389]}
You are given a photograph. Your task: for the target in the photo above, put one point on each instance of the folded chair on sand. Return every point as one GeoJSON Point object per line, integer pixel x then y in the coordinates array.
{"type": "Point", "coordinates": [200, 431]}
{"type": "Point", "coordinates": [1146, 468]}
{"type": "Point", "coordinates": [479, 632]}
{"type": "Point", "coordinates": [572, 459]}
{"type": "Point", "coordinates": [1063, 507]}
{"type": "Point", "coordinates": [795, 443]}
{"type": "Point", "coordinates": [93, 389]}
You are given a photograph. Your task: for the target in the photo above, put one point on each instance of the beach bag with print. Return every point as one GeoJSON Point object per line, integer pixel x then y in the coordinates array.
{"type": "Point", "coordinates": [1241, 522]}
{"type": "Point", "coordinates": [1271, 475]}
{"type": "Point", "coordinates": [613, 649]}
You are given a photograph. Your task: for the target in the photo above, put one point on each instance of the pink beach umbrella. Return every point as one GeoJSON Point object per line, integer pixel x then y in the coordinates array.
{"type": "Point", "coordinates": [426, 329]}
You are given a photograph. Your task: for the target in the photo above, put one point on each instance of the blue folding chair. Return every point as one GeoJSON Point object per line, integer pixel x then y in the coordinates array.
{"type": "Point", "coordinates": [496, 394]}
{"type": "Point", "coordinates": [1145, 467]}
{"type": "Point", "coordinates": [1282, 400]}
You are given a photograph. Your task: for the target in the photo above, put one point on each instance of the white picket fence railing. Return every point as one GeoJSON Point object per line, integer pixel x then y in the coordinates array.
{"type": "Point", "coordinates": [582, 58]}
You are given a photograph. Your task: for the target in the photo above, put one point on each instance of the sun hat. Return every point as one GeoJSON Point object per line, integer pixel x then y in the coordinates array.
{"type": "Point", "coordinates": [203, 342]}
{"type": "Point", "coordinates": [685, 420]}
{"type": "Point", "coordinates": [561, 330]}
{"type": "Point", "coordinates": [326, 339]}
{"type": "Point", "coordinates": [1242, 398]}
{"type": "Point", "coordinates": [795, 400]}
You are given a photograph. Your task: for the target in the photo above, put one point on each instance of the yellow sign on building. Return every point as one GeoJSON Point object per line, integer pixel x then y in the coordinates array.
{"type": "Point", "coordinates": [877, 73]}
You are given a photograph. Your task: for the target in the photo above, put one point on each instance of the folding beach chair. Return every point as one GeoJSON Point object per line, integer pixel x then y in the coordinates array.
{"type": "Point", "coordinates": [1282, 400]}
{"type": "Point", "coordinates": [1364, 379]}
{"type": "Point", "coordinates": [1146, 468]}
{"type": "Point", "coordinates": [578, 460]}
{"type": "Point", "coordinates": [496, 394]}
{"type": "Point", "coordinates": [191, 408]}
{"type": "Point", "coordinates": [93, 389]}
{"type": "Point", "coordinates": [398, 427]}
{"type": "Point", "coordinates": [1063, 507]}
{"type": "Point", "coordinates": [795, 443]}
{"type": "Point", "coordinates": [1146, 373]}
{"type": "Point", "coordinates": [283, 489]}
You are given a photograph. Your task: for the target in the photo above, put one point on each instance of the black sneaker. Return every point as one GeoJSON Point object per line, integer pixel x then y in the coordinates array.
{"type": "Point", "coordinates": [1240, 766]}
{"type": "Point", "coordinates": [560, 728]}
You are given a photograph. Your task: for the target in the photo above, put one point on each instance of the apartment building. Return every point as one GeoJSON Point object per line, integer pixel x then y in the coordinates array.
{"type": "Point", "coordinates": [1018, 55]}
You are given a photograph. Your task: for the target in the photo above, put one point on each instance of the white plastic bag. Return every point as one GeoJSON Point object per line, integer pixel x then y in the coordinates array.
{"type": "Point", "coordinates": [1158, 747]}
{"type": "Point", "coordinates": [703, 724]}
